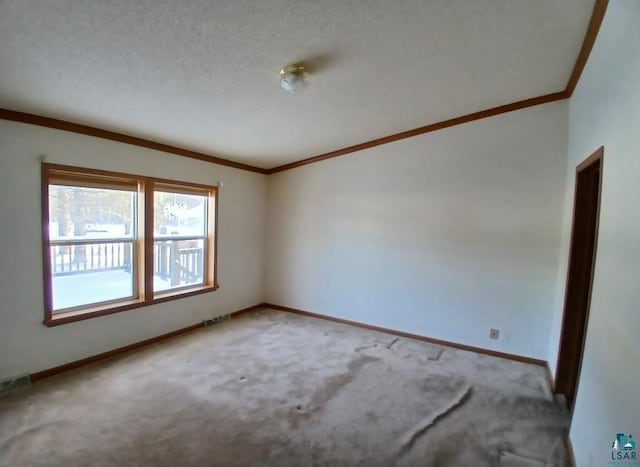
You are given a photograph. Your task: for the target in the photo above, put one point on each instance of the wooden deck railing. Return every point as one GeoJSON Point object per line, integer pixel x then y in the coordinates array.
{"type": "Point", "coordinates": [91, 257]}
{"type": "Point", "coordinates": [179, 261]}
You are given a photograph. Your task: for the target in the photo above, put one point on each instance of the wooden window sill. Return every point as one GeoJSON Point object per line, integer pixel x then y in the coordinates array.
{"type": "Point", "coordinates": [97, 311]}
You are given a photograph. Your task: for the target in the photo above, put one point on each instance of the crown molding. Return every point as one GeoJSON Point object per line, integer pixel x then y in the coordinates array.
{"type": "Point", "coordinates": [597, 16]}
{"type": "Point", "coordinates": [426, 129]}
{"type": "Point", "coordinates": [48, 122]}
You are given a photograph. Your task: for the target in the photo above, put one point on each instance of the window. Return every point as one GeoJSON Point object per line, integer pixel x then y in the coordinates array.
{"type": "Point", "coordinates": [114, 242]}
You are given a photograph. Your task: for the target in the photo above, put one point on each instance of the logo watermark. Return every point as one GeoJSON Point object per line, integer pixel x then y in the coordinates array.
{"type": "Point", "coordinates": [623, 451]}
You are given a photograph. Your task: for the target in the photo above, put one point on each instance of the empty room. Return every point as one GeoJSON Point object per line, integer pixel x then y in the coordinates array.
{"type": "Point", "coordinates": [319, 233]}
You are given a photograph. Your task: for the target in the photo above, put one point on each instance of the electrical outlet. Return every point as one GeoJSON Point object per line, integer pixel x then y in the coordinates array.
{"type": "Point", "coordinates": [494, 334]}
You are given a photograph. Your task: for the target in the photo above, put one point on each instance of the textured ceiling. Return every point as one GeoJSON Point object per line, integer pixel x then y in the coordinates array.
{"type": "Point", "coordinates": [203, 74]}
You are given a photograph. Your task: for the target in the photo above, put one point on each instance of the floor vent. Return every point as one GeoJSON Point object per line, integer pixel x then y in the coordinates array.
{"type": "Point", "coordinates": [15, 383]}
{"type": "Point", "coordinates": [216, 320]}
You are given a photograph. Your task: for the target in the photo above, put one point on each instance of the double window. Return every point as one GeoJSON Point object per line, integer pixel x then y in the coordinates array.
{"type": "Point", "coordinates": [115, 241]}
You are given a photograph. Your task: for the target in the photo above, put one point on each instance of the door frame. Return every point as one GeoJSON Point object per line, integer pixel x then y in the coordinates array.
{"type": "Point", "coordinates": [564, 361]}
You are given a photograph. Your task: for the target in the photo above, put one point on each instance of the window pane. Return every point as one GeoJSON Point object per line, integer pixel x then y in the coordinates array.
{"type": "Point", "coordinates": [177, 263]}
{"type": "Point", "coordinates": [177, 214]}
{"type": "Point", "coordinates": [93, 273]}
{"type": "Point", "coordinates": [86, 213]}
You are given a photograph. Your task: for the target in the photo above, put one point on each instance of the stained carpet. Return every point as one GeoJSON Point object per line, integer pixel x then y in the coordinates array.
{"type": "Point", "coordinates": [276, 389]}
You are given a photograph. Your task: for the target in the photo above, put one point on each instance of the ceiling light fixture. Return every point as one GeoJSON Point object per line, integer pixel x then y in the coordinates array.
{"type": "Point", "coordinates": [292, 78]}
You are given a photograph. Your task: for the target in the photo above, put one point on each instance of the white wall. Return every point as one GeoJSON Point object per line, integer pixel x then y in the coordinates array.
{"type": "Point", "coordinates": [26, 345]}
{"type": "Point", "coordinates": [444, 235]}
{"type": "Point", "coordinates": [605, 110]}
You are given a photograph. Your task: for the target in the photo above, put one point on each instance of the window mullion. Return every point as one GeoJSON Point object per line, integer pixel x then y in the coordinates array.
{"type": "Point", "coordinates": [148, 240]}
{"type": "Point", "coordinates": [46, 256]}
{"type": "Point", "coordinates": [212, 239]}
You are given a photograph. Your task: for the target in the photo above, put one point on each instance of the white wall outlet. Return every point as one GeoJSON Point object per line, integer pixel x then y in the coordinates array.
{"type": "Point", "coordinates": [494, 334]}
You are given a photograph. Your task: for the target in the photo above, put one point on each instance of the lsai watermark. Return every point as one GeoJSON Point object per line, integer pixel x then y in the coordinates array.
{"type": "Point", "coordinates": [623, 451]}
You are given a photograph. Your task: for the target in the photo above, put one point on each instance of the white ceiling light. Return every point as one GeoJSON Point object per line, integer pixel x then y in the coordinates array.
{"type": "Point", "coordinates": [292, 78]}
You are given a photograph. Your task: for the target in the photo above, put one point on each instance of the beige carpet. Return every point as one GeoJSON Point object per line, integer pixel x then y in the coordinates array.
{"type": "Point", "coordinates": [273, 388]}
